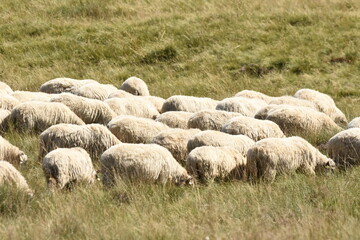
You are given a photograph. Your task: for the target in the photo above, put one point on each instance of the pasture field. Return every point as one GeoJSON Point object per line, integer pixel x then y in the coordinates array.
{"type": "Point", "coordinates": [201, 48]}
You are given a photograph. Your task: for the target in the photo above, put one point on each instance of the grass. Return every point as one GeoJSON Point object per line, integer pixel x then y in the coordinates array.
{"type": "Point", "coordinates": [200, 48]}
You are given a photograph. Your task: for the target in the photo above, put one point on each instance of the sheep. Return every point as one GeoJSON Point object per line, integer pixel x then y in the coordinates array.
{"type": "Point", "coordinates": [120, 94]}
{"type": "Point", "coordinates": [188, 104]}
{"type": "Point", "coordinates": [210, 119]}
{"type": "Point", "coordinates": [89, 110]}
{"type": "Point", "coordinates": [38, 116]}
{"type": "Point", "coordinates": [158, 102]}
{"type": "Point", "coordinates": [130, 129]}
{"type": "Point", "coordinates": [9, 175]}
{"type": "Point", "coordinates": [5, 89]}
{"type": "Point", "coordinates": [175, 119]}
{"type": "Point", "coordinates": [25, 96]}
{"type": "Point", "coordinates": [4, 114]}
{"type": "Point", "coordinates": [94, 138]}
{"type": "Point", "coordinates": [94, 90]}
{"type": "Point", "coordinates": [132, 106]}
{"type": "Point", "coordinates": [245, 106]}
{"type": "Point", "coordinates": [293, 101]}
{"type": "Point", "coordinates": [263, 112]}
{"type": "Point", "coordinates": [302, 120]}
{"type": "Point", "coordinates": [135, 86]}
{"type": "Point", "coordinates": [11, 153]}
{"type": "Point", "coordinates": [255, 95]}
{"type": "Point", "coordinates": [355, 123]}
{"type": "Point", "coordinates": [63, 167]}
{"type": "Point", "coordinates": [208, 163]}
{"type": "Point", "coordinates": [149, 163]}
{"type": "Point", "coordinates": [8, 102]}
{"type": "Point", "coordinates": [344, 148]}
{"type": "Point", "coordinates": [324, 104]}
{"type": "Point", "coordinates": [270, 157]}
{"type": "Point", "coordinates": [253, 128]}
{"type": "Point", "coordinates": [175, 140]}
{"type": "Point", "coordinates": [59, 85]}
{"type": "Point", "coordinates": [220, 139]}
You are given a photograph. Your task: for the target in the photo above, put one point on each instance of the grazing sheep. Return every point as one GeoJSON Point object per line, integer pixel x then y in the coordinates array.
{"type": "Point", "coordinates": [8, 102]}
{"type": "Point", "coordinates": [175, 140]}
{"type": "Point", "coordinates": [245, 106]}
{"type": "Point", "coordinates": [293, 101]}
{"type": "Point", "coordinates": [253, 128]}
{"type": "Point", "coordinates": [59, 85]}
{"type": "Point", "coordinates": [175, 119]}
{"type": "Point", "coordinates": [5, 89]}
{"type": "Point", "coordinates": [4, 114]}
{"type": "Point", "coordinates": [135, 86]}
{"type": "Point", "coordinates": [141, 163]}
{"type": "Point", "coordinates": [95, 90]}
{"type": "Point", "coordinates": [25, 96]}
{"type": "Point", "coordinates": [220, 139]}
{"type": "Point", "coordinates": [210, 119]}
{"type": "Point", "coordinates": [65, 166]}
{"type": "Point", "coordinates": [130, 129]}
{"type": "Point", "coordinates": [89, 110]}
{"type": "Point", "coordinates": [94, 138]}
{"type": "Point", "coordinates": [210, 163]}
{"type": "Point", "coordinates": [302, 120]}
{"type": "Point", "coordinates": [11, 153]}
{"type": "Point", "coordinates": [324, 104]}
{"type": "Point", "coordinates": [120, 94]}
{"type": "Point", "coordinates": [158, 102]}
{"type": "Point", "coordinates": [188, 104]}
{"type": "Point", "coordinates": [9, 175]}
{"type": "Point", "coordinates": [355, 123]}
{"type": "Point", "coordinates": [38, 116]}
{"type": "Point", "coordinates": [344, 147]}
{"type": "Point", "coordinates": [134, 106]}
{"type": "Point", "coordinates": [255, 95]}
{"type": "Point", "coordinates": [273, 156]}
{"type": "Point", "coordinates": [263, 112]}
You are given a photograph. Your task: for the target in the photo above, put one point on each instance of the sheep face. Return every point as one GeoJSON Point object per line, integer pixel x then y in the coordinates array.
{"type": "Point", "coordinates": [327, 167]}
{"type": "Point", "coordinates": [186, 180]}
{"type": "Point", "coordinates": [23, 158]}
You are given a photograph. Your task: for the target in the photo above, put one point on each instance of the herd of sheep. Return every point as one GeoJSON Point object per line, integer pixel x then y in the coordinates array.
{"type": "Point", "coordinates": [133, 136]}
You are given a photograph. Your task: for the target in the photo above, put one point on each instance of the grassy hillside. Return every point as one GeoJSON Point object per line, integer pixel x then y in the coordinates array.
{"type": "Point", "coordinates": [200, 48]}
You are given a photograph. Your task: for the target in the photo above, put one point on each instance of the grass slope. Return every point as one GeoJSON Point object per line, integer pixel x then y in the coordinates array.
{"type": "Point", "coordinates": [200, 48]}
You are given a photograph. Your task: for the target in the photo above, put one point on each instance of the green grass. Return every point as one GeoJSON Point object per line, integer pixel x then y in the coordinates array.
{"type": "Point", "coordinates": [201, 48]}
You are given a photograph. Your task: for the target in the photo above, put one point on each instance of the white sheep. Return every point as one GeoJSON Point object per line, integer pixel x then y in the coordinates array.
{"type": "Point", "coordinates": [293, 101]}
{"type": "Point", "coordinates": [8, 102]}
{"type": "Point", "coordinates": [253, 128]}
{"type": "Point", "coordinates": [89, 110]}
{"type": "Point", "coordinates": [208, 163]}
{"type": "Point", "coordinates": [63, 167]}
{"type": "Point", "coordinates": [135, 86]}
{"type": "Point", "coordinates": [302, 120]}
{"type": "Point", "coordinates": [175, 140]}
{"type": "Point", "coordinates": [134, 106]}
{"type": "Point", "coordinates": [25, 96]}
{"type": "Point", "coordinates": [94, 138]}
{"type": "Point", "coordinates": [120, 94]}
{"type": "Point", "coordinates": [5, 89]}
{"type": "Point", "coordinates": [355, 123]}
{"type": "Point", "coordinates": [270, 157]}
{"type": "Point", "coordinates": [130, 129]}
{"type": "Point", "coordinates": [255, 95]}
{"type": "Point", "coordinates": [148, 163]}
{"type": "Point", "coordinates": [59, 85]}
{"type": "Point", "coordinates": [210, 119]}
{"type": "Point", "coordinates": [344, 147]}
{"type": "Point", "coordinates": [175, 119]}
{"type": "Point", "coordinates": [263, 112]}
{"type": "Point", "coordinates": [11, 153]}
{"type": "Point", "coordinates": [188, 104]}
{"type": "Point", "coordinates": [10, 176]}
{"type": "Point", "coordinates": [220, 139]}
{"type": "Point", "coordinates": [94, 90]}
{"type": "Point", "coordinates": [4, 114]}
{"type": "Point", "coordinates": [38, 116]}
{"type": "Point", "coordinates": [324, 104]}
{"type": "Point", "coordinates": [158, 102]}
{"type": "Point", "coordinates": [245, 106]}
